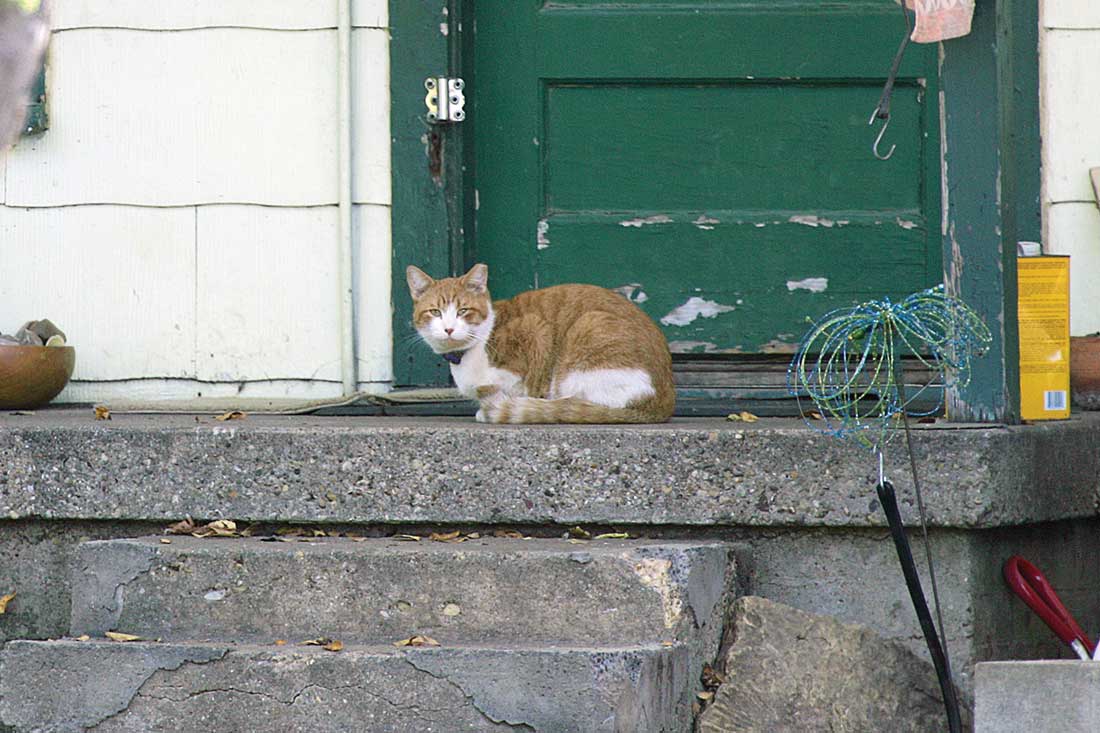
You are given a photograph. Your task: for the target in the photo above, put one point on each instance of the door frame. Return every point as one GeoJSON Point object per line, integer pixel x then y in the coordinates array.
{"type": "Point", "coordinates": [990, 178]}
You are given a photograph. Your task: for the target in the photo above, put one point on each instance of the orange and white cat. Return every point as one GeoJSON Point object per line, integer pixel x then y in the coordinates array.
{"type": "Point", "coordinates": [564, 354]}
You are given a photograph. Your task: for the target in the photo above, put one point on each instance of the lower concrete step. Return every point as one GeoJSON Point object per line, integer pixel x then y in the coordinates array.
{"type": "Point", "coordinates": [68, 686]}
{"type": "Point", "coordinates": [382, 590]}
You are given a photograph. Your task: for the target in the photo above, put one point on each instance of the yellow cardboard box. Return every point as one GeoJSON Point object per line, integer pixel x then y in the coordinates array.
{"type": "Point", "coordinates": [1044, 336]}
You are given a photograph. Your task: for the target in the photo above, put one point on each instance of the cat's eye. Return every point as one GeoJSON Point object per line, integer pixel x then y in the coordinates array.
{"type": "Point", "coordinates": [434, 313]}
{"type": "Point", "coordinates": [463, 311]}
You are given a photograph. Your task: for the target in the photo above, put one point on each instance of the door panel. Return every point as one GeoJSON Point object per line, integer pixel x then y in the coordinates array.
{"type": "Point", "coordinates": [713, 159]}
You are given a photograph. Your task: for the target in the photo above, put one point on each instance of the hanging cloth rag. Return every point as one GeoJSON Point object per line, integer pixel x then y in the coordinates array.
{"type": "Point", "coordinates": [939, 20]}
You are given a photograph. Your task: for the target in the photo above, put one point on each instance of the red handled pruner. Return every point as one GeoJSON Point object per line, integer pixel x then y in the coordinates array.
{"type": "Point", "coordinates": [1032, 587]}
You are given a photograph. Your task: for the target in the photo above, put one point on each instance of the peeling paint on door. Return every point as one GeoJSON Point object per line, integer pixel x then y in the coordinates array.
{"type": "Point", "coordinates": [694, 308]}
{"type": "Point", "coordinates": [688, 347]}
{"type": "Point", "coordinates": [632, 292]}
{"type": "Point", "coordinates": [813, 284]}
{"type": "Point", "coordinates": [811, 220]}
{"type": "Point", "coordinates": [705, 222]}
{"type": "Point", "coordinates": [541, 239]}
{"type": "Point", "coordinates": [644, 221]}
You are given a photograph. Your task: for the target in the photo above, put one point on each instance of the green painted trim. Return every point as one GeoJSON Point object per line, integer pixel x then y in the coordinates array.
{"type": "Point", "coordinates": [420, 213]}
{"type": "Point", "coordinates": [990, 83]}
{"type": "Point", "coordinates": [990, 119]}
{"type": "Point", "coordinates": [37, 119]}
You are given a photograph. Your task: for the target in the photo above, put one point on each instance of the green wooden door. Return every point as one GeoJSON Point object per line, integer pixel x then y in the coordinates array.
{"type": "Point", "coordinates": [711, 158]}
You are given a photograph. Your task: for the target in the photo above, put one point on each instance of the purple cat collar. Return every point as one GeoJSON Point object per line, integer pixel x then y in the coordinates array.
{"type": "Point", "coordinates": [455, 357]}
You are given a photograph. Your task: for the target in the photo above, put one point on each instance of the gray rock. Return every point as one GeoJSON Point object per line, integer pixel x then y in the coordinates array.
{"type": "Point", "coordinates": [70, 686]}
{"type": "Point", "coordinates": [380, 590]}
{"type": "Point", "coordinates": [1027, 697]}
{"type": "Point", "coordinates": [788, 671]}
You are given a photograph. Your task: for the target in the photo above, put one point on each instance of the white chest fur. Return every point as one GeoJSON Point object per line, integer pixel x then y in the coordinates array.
{"type": "Point", "coordinates": [475, 371]}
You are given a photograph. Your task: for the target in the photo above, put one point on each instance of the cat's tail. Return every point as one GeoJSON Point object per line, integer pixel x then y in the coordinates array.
{"type": "Point", "coordinates": [517, 410]}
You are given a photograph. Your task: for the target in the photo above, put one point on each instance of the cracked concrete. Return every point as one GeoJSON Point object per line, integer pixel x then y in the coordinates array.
{"type": "Point", "coordinates": [154, 687]}
{"type": "Point", "coordinates": [99, 584]}
{"type": "Point", "coordinates": [70, 691]}
{"type": "Point", "coordinates": [491, 589]}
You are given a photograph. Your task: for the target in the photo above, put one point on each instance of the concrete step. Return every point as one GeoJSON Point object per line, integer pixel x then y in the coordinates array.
{"type": "Point", "coordinates": [67, 686]}
{"type": "Point", "coordinates": [382, 590]}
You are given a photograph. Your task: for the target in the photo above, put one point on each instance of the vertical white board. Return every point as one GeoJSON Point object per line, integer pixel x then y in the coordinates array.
{"type": "Point", "coordinates": [205, 116]}
{"type": "Point", "coordinates": [1070, 13]}
{"type": "Point", "coordinates": [374, 304]}
{"type": "Point", "coordinates": [267, 294]}
{"type": "Point", "coordinates": [118, 280]}
{"type": "Point", "coordinates": [1071, 97]}
{"type": "Point", "coordinates": [1074, 230]}
{"type": "Point", "coordinates": [186, 14]}
{"type": "Point", "coordinates": [371, 115]}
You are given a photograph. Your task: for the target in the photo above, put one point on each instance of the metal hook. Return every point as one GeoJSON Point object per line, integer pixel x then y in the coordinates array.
{"type": "Point", "coordinates": [878, 140]}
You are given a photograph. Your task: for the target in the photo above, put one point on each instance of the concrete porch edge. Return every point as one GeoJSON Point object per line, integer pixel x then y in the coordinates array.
{"type": "Point", "coordinates": [63, 464]}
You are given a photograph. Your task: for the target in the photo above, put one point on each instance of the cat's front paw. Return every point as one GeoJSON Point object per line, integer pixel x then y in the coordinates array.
{"type": "Point", "coordinates": [481, 417]}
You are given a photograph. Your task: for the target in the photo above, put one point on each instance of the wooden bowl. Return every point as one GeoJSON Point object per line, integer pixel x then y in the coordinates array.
{"type": "Point", "coordinates": [31, 376]}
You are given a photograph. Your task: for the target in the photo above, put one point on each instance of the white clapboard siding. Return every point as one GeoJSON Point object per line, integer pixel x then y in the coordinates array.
{"type": "Point", "coordinates": [184, 14]}
{"type": "Point", "coordinates": [371, 115]}
{"type": "Point", "coordinates": [267, 293]}
{"type": "Point", "coordinates": [1074, 230]}
{"type": "Point", "coordinates": [1071, 13]}
{"type": "Point", "coordinates": [190, 394]}
{"type": "Point", "coordinates": [1071, 139]}
{"type": "Point", "coordinates": [374, 314]}
{"type": "Point", "coordinates": [118, 280]}
{"type": "Point", "coordinates": [205, 116]}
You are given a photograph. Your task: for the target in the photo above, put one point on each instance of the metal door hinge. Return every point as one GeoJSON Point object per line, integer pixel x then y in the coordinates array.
{"type": "Point", "coordinates": [448, 106]}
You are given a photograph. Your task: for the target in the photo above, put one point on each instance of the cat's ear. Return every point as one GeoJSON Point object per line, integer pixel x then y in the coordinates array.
{"type": "Point", "coordinates": [477, 279]}
{"type": "Point", "coordinates": [418, 280]}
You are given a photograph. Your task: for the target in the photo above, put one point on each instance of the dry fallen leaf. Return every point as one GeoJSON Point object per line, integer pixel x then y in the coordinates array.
{"type": "Point", "coordinates": [473, 536]}
{"type": "Point", "coordinates": [508, 533]}
{"type": "Point", "coordinates": [102, 413]}
{"type": "Point", "coordinates": [4, 601]}
{"type": "Point", "coordinates": [742, 416]}
{"type": "Point", "coordinates": [668, 642]}
{"type": "Point", "coordinates": [116, 636]}
{"type": "Point", "coordinates": [417, 641]}
{"type": "Point", "coordinates": [359, 539]}
{"type": "Point", "coordinates": [406, 537]}
{"type": "Point", "coordinates": [280, 642]}
{"type": "Point", "coordinates": [165, 541]}
{"type": "Point", "coordinates": [712, 678]}
{"type": "Point", "coordinates": [816, 416]}
{"type": "Point", "coordinates": [83, 637]}
{"type": "Point", "coordinates": [333, 646]}
{"type": "Point", "coordinates": [184, 526]}
{"type": "Point", "coordinates": [579, 533]}
{"type": "Point", "coordinates": [217, 528]}
{"type": "Point", "coordinates": [455, 536]}
{"type": "Point", "coordinates": [319, 641]}
{"type": "Point", "coordinates": [705, 696]}
{"type": "Point", "coordinates": [574, 541]}
{"type": "Point", "coordinates": [927, 420]}
{"type": "Point", "coordinates": [233, 415]}
{"type": "Point", "coordinates": [23, 412]}
{"type": "Point", "coordinates": [612, 536]}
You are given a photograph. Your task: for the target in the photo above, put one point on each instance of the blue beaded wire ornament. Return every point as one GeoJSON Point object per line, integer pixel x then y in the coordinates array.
{"type": "Point", "coordinates": [850, 365]}
{"type": "Point", "coordinates": [849, 362]}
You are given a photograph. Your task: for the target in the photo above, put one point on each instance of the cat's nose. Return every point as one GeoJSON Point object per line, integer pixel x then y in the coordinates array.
{"type": "Point", "coordinates": [449, 331]}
